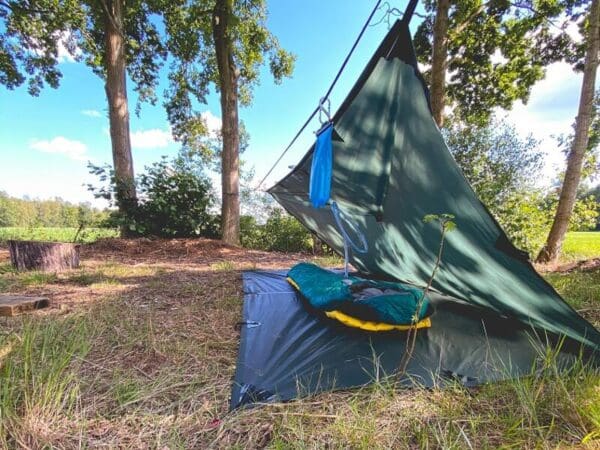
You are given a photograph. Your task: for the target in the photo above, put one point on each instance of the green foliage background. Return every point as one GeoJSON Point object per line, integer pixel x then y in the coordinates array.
{"type": "Point", "coordinates": [281, 232]}
{"type": "Point", "coordinates": [16, 212]}
{"type": "Point", "coordinates": [502, 167]}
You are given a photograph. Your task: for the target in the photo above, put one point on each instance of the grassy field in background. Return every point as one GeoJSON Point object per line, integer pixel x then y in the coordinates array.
{"type": "Point", "coordinates": [87, 235]}
{"type": "Point", "coordinates": [581, 245]}
{"type": "Point", "coordinates": [577, 245]}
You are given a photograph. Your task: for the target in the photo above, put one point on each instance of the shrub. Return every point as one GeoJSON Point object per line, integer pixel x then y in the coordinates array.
{"type": "Point", "coordinates": [525, 218]}
{"type": "Point", "coordinates": [175, 200]}
{"type": "Point", "coordinates": [284, 233]}
{"type": "Point", "coordinates": [251, 233]}
{"type": "Point", "coordinates": [281, 232]}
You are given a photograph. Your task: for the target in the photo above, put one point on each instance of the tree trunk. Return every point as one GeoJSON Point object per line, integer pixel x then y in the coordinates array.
{"type": "Point", "coordinates": [568, 193]}
{"type": "Point", "coordinates": [228, 85]}
{"type": "Point", "coordinates": [45, 256]}
{"type": "Point", "coordinates": [438, 61]}
{"type": "Point", "coordinates": [317, 245]}
{"type": "Point", "coordinates": [118, 111]}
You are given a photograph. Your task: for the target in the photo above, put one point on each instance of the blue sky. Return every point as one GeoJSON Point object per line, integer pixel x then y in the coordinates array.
{"type": "Point", "coordinates": [46, 141]}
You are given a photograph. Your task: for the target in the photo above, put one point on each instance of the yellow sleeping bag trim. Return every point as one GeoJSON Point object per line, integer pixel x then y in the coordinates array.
{"type": "Point", "coordinates": [374, 326]}
{"type": "Point", "coordinates": [293, 283]}
{"type": "Point", "coordinates": [353, 322]}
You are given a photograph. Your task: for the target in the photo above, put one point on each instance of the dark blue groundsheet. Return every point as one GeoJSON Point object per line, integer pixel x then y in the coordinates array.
{"type": "Point", "coordinates": [288, 352]}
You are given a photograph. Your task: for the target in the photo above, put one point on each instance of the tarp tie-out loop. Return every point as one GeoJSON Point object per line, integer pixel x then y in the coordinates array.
{"type": "Point", "coordinates": [324, 108]}
{"type": "Point", "coordinates": [248, 323]}
{"type": "Point", "coordinates": [348, 242]}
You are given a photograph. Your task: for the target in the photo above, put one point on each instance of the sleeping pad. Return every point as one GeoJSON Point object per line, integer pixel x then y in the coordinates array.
{"type": "Point", "coordinates": [359, 302]}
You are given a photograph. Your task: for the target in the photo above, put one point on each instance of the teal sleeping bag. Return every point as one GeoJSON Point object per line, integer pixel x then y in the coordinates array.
{"type": "Point", "coordinates": [369, 300]}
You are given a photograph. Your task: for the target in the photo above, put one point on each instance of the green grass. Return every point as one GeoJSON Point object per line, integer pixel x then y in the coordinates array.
{"type": "Point", "coordinates": [223, 266]}
{"type": "Point", "coordinates": [581, 290]}
{"type": "Point", "coordinates": [38, 375]}
{"type": "Point", "coordinates": [581, 245]}
{"type": "Point", "coordinates": [88, 235]}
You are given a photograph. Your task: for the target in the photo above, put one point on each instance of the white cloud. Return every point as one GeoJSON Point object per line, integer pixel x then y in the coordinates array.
{"type": "Point", "coordinates": [153, 138]}
{"type": "Point", "coordinates": [213, 123]}
{"type": "Point", "coordinates": [161, 138]}
{"type": "Point", "coordinates": [64, 55]}
{"type": "Point", "coordinates": [60, 145]}
{"type": "Point", "coordinates": [64, 41]}
{"type": "Point", "coordinates": [91, 113]}
{"type": "Point", "coordinates": [550, 112]}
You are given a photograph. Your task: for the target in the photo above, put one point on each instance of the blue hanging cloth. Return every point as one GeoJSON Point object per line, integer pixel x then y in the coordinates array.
{"type": "Point", "coordinates": [320, 170]}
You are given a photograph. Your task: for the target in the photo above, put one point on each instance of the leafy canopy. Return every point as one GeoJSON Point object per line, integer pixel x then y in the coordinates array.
{"type": "Point", "coordinates": [497, 50]}
{"type": "Point", "coordinates": [36, 34]}
{"type": "Point", "coordinates": [193, 69]}
{"type": "Point", "coordinates": [495, 159]}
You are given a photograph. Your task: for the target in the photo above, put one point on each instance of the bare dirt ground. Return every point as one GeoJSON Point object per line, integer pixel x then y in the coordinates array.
{"type": "Point", "coordinates": [151, 269]}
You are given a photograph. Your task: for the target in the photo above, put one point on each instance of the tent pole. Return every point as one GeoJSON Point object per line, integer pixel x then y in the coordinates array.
{"type": "Point", "coordinates": [410, 9]}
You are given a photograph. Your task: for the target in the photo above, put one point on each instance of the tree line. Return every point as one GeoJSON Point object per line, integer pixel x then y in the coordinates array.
{"type": "Point", "coordinates": [488, 54]}
{"type": "Point", "coordinates": [481, 54]}
{"type": "Point", "coordinates": [19, 212]}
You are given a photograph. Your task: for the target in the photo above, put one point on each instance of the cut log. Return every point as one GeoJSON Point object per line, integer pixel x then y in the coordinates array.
{"type": "Point", "coordinates": [45, 256]}
{"type": "Point", "coordinates": [11, 305]}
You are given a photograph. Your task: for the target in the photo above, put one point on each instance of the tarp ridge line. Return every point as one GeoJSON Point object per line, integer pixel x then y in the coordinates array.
{"type": "Point", "coordinates": [326, 96]}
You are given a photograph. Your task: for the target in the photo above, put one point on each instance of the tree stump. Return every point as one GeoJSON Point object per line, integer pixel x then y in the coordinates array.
{"type": "Point", "coordinates": [44, 256]}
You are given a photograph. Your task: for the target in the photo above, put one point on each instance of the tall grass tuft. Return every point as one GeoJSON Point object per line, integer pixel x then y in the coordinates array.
{"type": "Point", "coordinates": [38, 377]}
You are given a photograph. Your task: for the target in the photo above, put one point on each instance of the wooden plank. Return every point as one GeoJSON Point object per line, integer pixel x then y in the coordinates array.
{"type": "Point", "coordinates": [11, 305]}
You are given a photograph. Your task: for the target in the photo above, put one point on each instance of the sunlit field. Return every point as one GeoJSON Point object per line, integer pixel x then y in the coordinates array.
{"type": "Point", "coordinates": [581, 245]}
{"type": "Point", "coordinates": [86, 235]}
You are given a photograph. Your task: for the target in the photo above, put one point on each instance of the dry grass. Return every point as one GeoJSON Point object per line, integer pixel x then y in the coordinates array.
{"type": "Point", "coordinates": [159, 319]}
{"type": "Point", "coordinates": [139, 348]}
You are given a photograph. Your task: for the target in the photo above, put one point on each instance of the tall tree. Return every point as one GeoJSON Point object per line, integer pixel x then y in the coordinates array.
{"type": "Point", "coordinates": [581, 139]}
{"type": "Point", "coordinates": [230, 155]}
{"type": "Point", "coordinates": [222, 43]}
{"type": "Point", "coordinates": [483, 54]}
{"type": "Point", "coordinates": [118, 106]}
{"type": "Point", "coordinates": [439, 53]}
{"type": "Point", "coordinates": [115, 38]}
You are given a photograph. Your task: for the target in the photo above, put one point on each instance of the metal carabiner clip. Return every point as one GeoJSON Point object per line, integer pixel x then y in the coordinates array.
{"type": "Point", "coordinates": [324, 110]}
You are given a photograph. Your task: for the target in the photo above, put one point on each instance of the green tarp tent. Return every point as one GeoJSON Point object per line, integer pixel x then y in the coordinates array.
{"type": "Point", "coordinates": [493, 314]}
{"type": "Point", "coordinates": [391, 167]}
